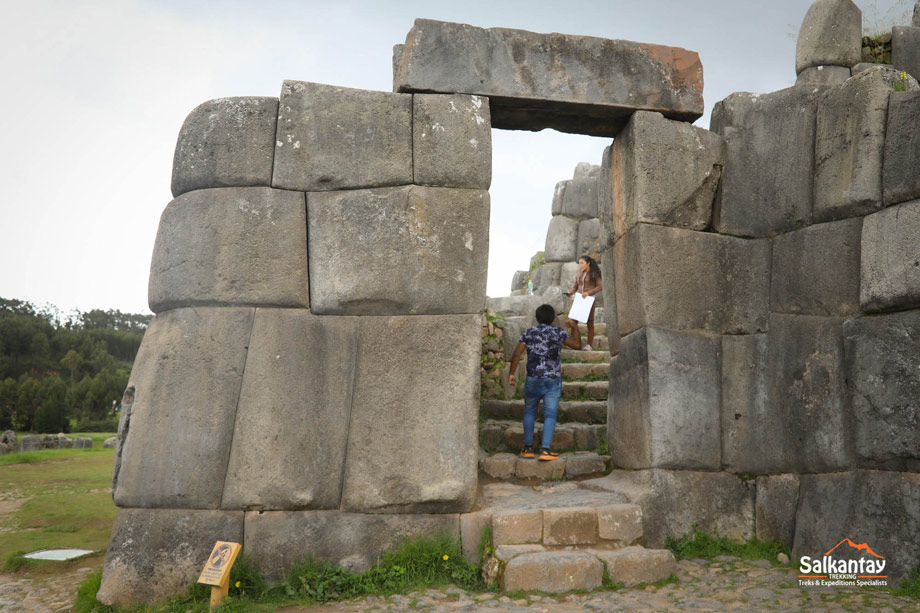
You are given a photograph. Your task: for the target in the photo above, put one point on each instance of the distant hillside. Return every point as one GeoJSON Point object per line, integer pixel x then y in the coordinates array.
{"type": "Point", "coordinates": [56, 373]}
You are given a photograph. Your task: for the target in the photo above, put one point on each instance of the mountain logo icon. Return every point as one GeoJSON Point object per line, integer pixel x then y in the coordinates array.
{"type": "Point", "coordinates": [862, 547]}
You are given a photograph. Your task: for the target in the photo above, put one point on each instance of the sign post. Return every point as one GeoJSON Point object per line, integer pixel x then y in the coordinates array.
{"type": "Point", "coordinates": [216, 571]}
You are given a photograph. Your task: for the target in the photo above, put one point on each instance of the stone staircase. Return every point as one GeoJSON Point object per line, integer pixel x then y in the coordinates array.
{"type": "Point", "coordinates": [559, 537]}
{"type": "Point", "coordinates": [580, 435]}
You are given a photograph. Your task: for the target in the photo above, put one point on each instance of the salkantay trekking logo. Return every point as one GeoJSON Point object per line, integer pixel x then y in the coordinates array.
{"type": "Point", "coordinates": [830, 571]}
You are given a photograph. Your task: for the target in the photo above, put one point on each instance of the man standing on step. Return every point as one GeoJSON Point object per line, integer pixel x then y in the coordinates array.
{"type": "Point", "coordinates": [543, 343]}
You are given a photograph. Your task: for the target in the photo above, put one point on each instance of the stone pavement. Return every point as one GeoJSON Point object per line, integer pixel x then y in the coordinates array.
{"type": "Point", "coordinates": [724, 584]}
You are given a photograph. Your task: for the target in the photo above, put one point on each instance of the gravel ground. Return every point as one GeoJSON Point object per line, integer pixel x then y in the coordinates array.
{"type": "Point", "coordinates": [723, 584]}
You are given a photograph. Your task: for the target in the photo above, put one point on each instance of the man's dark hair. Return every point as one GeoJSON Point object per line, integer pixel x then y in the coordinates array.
{"type": "Point", "coordinates": [545, 314]}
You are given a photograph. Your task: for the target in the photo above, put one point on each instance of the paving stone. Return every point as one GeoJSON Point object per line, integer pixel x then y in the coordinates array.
{"type": "Point", "coordinates": [231, 246]}
{"type": "Point", "coordinates": [553, 572]}
{"type": "Point", "coordinates": [332, 138]}
{"type": "Point", "coordinates": [546, 470]}
{"type": "Point", "coordinates": [451, 141]}
{"type": "Point", "coordinates": [513, 527]}
{"type": "Point", "coordinates": [620, 522]}
{"type": "Point", "coordinates": [577, 84]}
{"type": "Point", "coordinates": [890, 262]}
{"type": "Point", "coordinates": [634, 565]}
{"type": "Point", "coordinates": [581, 465]}
{"type": "Point", "coordinates": [499, 466]}
{"type": "Point", "coordinates": [570, 526]}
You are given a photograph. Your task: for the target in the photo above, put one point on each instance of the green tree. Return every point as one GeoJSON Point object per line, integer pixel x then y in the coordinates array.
{"type": "Point", "coordinates": [27, 401]}
{"type": "Point", "coordinates": [72, 361]}
{"type": "Point", "coordinates": [51, 415]}
{"type": "Point", "coordinates": [9, 392]}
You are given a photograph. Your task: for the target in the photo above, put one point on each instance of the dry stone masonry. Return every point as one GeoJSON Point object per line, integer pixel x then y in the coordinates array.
{"type": "Point", "coordinates": [319, 280]}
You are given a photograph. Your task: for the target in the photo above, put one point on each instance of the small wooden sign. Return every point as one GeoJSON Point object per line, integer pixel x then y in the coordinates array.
{"type": "Point", "coordinates": [216, 571]}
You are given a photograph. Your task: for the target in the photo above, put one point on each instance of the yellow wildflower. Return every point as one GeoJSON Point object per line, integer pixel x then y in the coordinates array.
{"type": "Point", "coordinates": [903, 76]}
{"type": "Point", "coordinates": [237, 584]}
{"type": "Point", "coordinates": [446, 557]}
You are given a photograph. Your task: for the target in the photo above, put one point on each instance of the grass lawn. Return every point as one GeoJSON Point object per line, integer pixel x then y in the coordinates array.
{"type": "Point", "coordinates": [52, 499]}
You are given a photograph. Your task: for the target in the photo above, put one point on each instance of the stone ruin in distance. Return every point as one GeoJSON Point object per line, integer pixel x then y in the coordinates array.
{"type": "Point", "coordinates": [309, 385]}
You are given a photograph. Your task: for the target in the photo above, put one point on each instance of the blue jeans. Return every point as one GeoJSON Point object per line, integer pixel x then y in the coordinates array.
{"type": "Point", "coordinates": [550, 390]}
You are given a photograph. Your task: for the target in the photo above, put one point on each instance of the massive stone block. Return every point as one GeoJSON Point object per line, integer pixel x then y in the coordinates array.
{"type": "Point", "coordinates": [401, 250]}
{"type": "Point", "coordinates": [831, 34]}
{"type": "Point", "coordinates": [157, 553]}
{"type": "Point", "coordinates": [608, 272]}
{"type": "Point", "coordinates": [580, 198]}
{"type": "Point", "coordinates": [413, 439]}
{"type": "Point", "coordinates": [605, 195]}
{"type": "Point", "coordinates": [227, 142]}
{"type": "Point", "coordinates": [663, 172]}
{"type": "Point", "coordinates": [805, 362]}
{"type": "Point", "coordinates": [187, 378]}
{"type": "Point", "coordinates": [586, 170]}
{"type": "Point", "coordinates": [332, 138]}
{"type": "Point", "coordinates": [883, 374]}
{"type": "Point", "coordinates": [296, 399]}
{"type": "Point", "coordinates": [905, 49]}
{"type": "Point", "coordinates": [878, 508]}
{"type": "Point", "coordinates": [777, 500]}
{"type": "Point", "coordinates": [890, 265]}
{"type": "Point", "coordinates": [816, 270]}
{"type": "Point", "coordinates": [768, 177]}
{"type": "Point", "coordinates": [589, 238]}
{"type": "Point", "coordinates": [558, 197]}
{"type": "Point", "coordinates": [547, 275]}
{"type": "Point", "coordinates": [553, 571]}
{"type": "Point", "coordinates": [849, 143]}
{"type": "Point", "coordinates": [569, 83]}
{"type": "Point", "coordinates": [231, 246]}
{"type": "Point", "coordinates": [752, 426]}
{"type": "Point", "coordinates": [663, 408]}
{"type": "Point", "coordinates": [451, 141]}
{"type": "Point", "coordinates": [674, 501]}
{"type": "Point", "coordinates": [686, 280]}
{"type": "Point", "coordinates": [279, 540]}
{"type": "Point", "coordinates": [562, 239]}
{"type": "Point", "coordinates": [900, 179]}
{"type": "Point", "coordinates": [822, 76]}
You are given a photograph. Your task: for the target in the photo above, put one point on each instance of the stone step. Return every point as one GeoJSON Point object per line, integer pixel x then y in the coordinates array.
{"type": "Point", "coordinates": [599, 329]}
{"type": "Point", "coordinates": [507, 435]}
{"type": "Point", "coordinates": [580, 411]}
{"type": "Point", "coordinates": [508, 466]}
{"type": "Point", "coordinates": [585, 389]}
{"type": "Point", "coordinates": [577, 371]}
{"type": "Point", "coordinates": [580, 355]}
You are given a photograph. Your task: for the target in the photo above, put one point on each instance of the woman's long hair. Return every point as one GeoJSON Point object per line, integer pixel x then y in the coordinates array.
{"type": "Point", "coordinates": [594, 271]}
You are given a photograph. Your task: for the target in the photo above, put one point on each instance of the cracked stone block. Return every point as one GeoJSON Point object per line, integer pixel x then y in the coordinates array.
{"type": "Point", "coordinates": [451, 141]}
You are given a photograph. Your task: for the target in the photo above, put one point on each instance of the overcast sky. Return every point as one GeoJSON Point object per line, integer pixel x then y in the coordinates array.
{"type": "Point", "coordinates": [96, 91]}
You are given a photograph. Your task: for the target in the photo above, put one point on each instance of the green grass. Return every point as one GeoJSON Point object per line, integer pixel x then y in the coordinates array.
{"type": "Point", "coordinates": [910, 586]}
{"type": "Point", "coordinates": [63, 498]}
{"type": "Point", "coordinates": [699, 544]}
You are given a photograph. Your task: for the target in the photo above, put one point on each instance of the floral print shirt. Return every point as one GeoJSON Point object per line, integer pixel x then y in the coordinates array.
{"type": "Point", "coordinates": [544, 343]}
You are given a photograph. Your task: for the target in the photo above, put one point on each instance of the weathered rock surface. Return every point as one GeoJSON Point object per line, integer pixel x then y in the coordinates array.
{"type": "Point", "coordinates": [589, 239]}
{"type": "Point", "coordinates": [157, 553]}
{"type": "Point", "coordinates": [752, 427]}
{"type": "Point", "coordinates": [822, 76]}
{"type": "Point", "coordinates": [451, 141]}
{"type": "Point", "coordinates": [558, 197]}
{"type": "Point", "coordinates": [8, 437]}
{"type": "Point", "coordinates": [608, 272]}
{"type": "Point", "coordinates": [278, 540]}
{"type": "Point", "coordinates": [777, 499]}
{"type": "Point", "coordinates": [619, 522]}
{"type": "Point", "coordinates": [403, 455]}
{"type": "Point", "coordinates": [663, 172]}
{"type": "Point", "coordinates": [296, 397]}
{"type": "Point", "coordinates": [815, 270]}
{"type": "Point", "coordinates": [82, 442]}
{"type": "Point", "coordinates": [831, 34]}
{"type": "Point", "coordinates": [231, 246]}
{"type": "Point", "coordinates": [569, 83]}
{"type": "Point", "coordinates": [553, 572]}
{"type": "Point", "coordinates": [586, 170]}
{"type": "Point", "coordinates": [673, 501]}
{"type": "Point", "coordinates": [900, 179]}
{"type": "Point", "coordinates": [570, 526]}
{"type": "Point", "coordinates": [517, 526]}
{"type": "Point", "coordinates": [429, 246]}
{"type": "Point", "coordinates": [686, 280]}
{"type": "Point", "coordinates": [109, 443]}
{"type": "Point", "coordinates": [849, 145]}
{"type": "Point", "coordinates": [878, 508]}
{"type": "Point", "coordinates": [562, 239]}
{"type": "Point", "coordinates": [332, 138]}
{"type": "Point", "coordinates": [808, 388]}
{"type": "Point", "coordinates": [547, 275]}
{"type": "Point", "coordinates": [579, 200]}
{"type": "Point", "coordinates": [766, 136]}
{"type": "Point", "coordinates": [890, 265]}
{"type": "Point", "coordinates": [664, 400]}
{"type": "Point", "coordinates": [883, 362]}
{"type": "Point", "coordinates": [187, 378]}
{"type": "Point", "coordinates": [633, 565]}
{"type": "Point", "coordinates": [227, 142]}
{"type": "Point", "coordinates": [905, 49]}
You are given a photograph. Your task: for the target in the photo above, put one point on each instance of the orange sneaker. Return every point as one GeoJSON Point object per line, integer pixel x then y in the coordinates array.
{"type": "Point", "coordinates": [546, 455]}
{"type": "Point", "coordinates": [527, 451]}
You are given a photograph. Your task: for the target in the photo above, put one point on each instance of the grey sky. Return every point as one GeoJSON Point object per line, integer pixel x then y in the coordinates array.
{"type": "Point", "coordinates": [95, 93]}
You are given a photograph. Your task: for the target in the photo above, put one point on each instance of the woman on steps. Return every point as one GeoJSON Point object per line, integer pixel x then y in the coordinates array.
{"type": "Point", "coordinates": [588, 282]}
{"type": "Point", "coordinates": [543, 343]}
